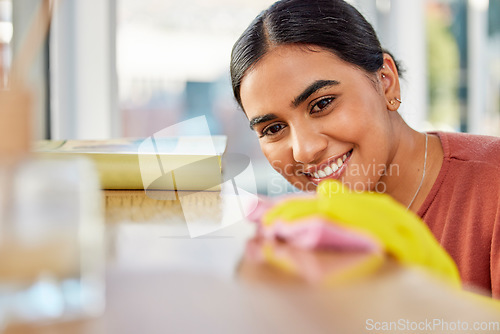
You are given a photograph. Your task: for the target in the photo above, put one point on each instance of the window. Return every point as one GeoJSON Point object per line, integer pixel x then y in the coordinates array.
{"type": "Point", "coordinates": [463, 57]}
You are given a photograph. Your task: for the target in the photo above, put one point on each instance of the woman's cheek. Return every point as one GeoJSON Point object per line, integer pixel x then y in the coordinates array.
{"type": "Point", "coordinates": [274, 154]}
{"type": "Point", "coordinates": [276, 164]}
{"type": "Point", "coordinates": [282, 162]}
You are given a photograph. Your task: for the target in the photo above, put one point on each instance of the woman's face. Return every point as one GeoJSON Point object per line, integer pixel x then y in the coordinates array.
{"type": "Point", "coordinates": [319, 117]}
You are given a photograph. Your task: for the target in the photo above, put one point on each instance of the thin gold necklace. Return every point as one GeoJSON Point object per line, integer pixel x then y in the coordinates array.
{"type": "Point", "coordinates": [423, 174]}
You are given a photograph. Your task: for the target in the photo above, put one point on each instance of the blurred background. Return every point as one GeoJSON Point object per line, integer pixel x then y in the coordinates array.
{"type": "Point", "coordinates": [129, 68]}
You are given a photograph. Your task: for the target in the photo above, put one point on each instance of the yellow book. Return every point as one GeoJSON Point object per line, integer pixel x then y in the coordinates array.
{"type": "Point", "coordinates": [167, 163]}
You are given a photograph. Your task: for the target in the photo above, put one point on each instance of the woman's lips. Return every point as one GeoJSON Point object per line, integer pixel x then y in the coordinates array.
{"type": "Point", "coordinates": [331, 169]}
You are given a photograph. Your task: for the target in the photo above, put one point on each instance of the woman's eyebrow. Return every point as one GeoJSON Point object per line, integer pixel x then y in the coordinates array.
{"type": "Point", "coordinates": [311, 89]}
{"type": "Point", "coordinates": [261, 119]}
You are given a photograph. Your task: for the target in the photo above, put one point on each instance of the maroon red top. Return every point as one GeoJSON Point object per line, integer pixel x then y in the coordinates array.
{"type": "Point", "coordinates": [463, 207]}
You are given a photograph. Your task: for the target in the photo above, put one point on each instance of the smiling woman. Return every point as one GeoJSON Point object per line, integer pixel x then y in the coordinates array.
{"type": "Point", "coordinates": [323, 97]}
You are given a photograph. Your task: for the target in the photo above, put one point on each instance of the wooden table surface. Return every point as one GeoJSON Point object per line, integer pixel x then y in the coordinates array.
{"type": "Point", "coordinates": [161, 280]}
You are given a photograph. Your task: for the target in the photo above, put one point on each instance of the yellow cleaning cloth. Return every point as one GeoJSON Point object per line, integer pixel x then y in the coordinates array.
{"type": "Point", "coordinates": [398, 231]}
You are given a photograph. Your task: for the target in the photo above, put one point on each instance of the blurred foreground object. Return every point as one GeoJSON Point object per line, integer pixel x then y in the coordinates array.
{"type": "Point", "coordinates": [343, 219]}
{"type": "Point", "coordinates": [51, 228]}
{"type": "Point", "coordinates": [52, 243]}
{"type": "Point", "coordinates": [315, 268]}
{"type": "Point", "coordinates": [15, 123]}
{"type": "Point", "coordinates": [16, 99]}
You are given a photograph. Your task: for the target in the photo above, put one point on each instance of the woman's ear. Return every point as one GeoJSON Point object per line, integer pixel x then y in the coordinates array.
{"type": "Point", "coordinates": [389, 77]}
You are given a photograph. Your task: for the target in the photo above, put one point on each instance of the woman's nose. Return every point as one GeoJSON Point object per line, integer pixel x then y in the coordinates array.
{"type": "Point", "coordinates": [308, 145]}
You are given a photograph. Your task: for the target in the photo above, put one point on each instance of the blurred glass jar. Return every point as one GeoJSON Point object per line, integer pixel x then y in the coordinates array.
{"type": "Point", "coordinates": [51, 241]}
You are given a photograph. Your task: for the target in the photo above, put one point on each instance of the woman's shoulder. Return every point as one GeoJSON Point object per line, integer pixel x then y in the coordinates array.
{"type": "Point", "coordinates": [470, 147]}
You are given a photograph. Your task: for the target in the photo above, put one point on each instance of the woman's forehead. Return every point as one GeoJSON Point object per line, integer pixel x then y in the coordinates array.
{"type": "Point", "coordinates": [300, 59]}
{"type": "Point", "coordinates": [292, 68]}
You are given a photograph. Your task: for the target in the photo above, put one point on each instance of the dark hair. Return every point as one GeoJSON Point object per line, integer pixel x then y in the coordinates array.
{"type": "Point", "coordinates": [333, 25]}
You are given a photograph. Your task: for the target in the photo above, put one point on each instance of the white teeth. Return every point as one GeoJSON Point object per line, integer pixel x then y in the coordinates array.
{"type": "Point", "coordinates": [329, 170]}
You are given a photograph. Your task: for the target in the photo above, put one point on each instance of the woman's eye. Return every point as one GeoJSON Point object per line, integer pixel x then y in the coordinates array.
{"type": "Point", "coordinates": [321, 104]}
{"type": "Point", "coordinates": [272, 129]}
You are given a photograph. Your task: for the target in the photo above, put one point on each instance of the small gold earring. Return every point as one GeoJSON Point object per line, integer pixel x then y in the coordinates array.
{"type": "Point", "coordinates": [392, 102]}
